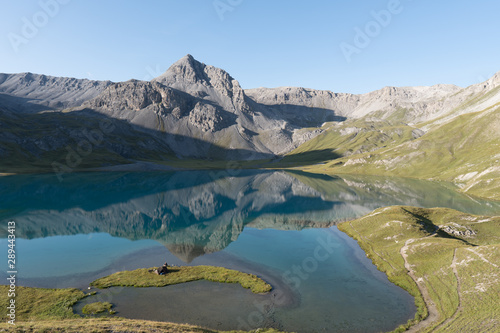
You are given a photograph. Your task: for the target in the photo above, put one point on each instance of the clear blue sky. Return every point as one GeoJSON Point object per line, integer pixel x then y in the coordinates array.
{"type": "Point", "coordinates": [266, 43]}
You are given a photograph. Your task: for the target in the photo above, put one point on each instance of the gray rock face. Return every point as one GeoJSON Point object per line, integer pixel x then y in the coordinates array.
{"type": "Point", "coordinates": [131, 95]}
{"type": "Point", "coordinates": [205, 117]}
{"type": "Point", "coordinates": [136, 95]}
{"type": "Point", "coordinates": [461, 231]}
{"type": "Point", "coordinates": [341, 104]}
{"type": "Point", "coordinates": [421, 103]}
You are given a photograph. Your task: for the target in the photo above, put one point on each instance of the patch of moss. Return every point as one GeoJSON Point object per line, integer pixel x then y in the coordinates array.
{"type": "Point", "coordinates": [41, 304]}
{"type": "Point", "coordinates": [97, 308]}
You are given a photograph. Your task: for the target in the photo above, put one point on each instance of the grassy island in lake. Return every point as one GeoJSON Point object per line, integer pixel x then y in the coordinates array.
{"type": "Point", "coordinates": [143, 277]}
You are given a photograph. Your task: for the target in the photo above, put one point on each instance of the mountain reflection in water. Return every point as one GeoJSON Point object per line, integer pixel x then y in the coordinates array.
{"type": "Point", "coordinates": [198, 212]}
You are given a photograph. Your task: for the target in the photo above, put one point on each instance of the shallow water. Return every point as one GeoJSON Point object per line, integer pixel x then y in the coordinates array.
{"type": "Point", "coordinates": [204, 303]}
{"type": "Point", "coordinates": [277, 225]}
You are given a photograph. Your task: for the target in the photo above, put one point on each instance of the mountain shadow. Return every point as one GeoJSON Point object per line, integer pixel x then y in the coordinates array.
{"type": "Point", "coordinates": [21, 104]}
{"type": "Point", "coordinates": [309, 157]}
{"type": "Point", "coordinates": [297, 115]}
{"type": "Point", "coordinates": [79, 136]}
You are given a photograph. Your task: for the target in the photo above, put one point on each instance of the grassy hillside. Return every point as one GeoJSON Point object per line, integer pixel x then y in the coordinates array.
{"type": "Point", "coordinates": [351, 138]}
{"type": "Point", "coordinates": [111, 325]}
{"type": "Point", "coordinates": [446, 259]}
{"type": "Point", "coordinates": [465, 151]}
{"type": "Point", "coordinates": [32, 143]}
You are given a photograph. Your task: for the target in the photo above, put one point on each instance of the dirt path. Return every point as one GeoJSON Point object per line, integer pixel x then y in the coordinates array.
{"type": "Point", "coordinates": [482, 257]}
{"type": "Point", "coordinates": [459, 308]}
{"type": "Point", "coordinates": [431, 307]}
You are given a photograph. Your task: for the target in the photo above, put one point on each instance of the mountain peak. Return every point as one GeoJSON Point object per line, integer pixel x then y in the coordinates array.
{"type": "Point", "coordinates": [187, 60]}
{"type": "Point", "coordinates": [185, 69]}
{"type": "Point", "coordinates": [203, 81]}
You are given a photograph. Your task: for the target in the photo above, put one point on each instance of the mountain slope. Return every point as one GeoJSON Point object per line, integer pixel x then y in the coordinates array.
{"type": "Point", "coordinates": [465, 150]}
{"type": "Point", "coordinates": [352, 137]}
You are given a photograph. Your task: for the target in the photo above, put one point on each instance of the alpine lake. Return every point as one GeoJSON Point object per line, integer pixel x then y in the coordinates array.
{"type": "Point", "coordinates": [278, 225]}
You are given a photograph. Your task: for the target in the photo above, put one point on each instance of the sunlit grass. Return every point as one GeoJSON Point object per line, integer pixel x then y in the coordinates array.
{"type": "Point", "coordinates": [97, 308]}
{"type": "Point", "coordinates": [41, 304]}
{"type": "Point", "coordinates": [145, 278]}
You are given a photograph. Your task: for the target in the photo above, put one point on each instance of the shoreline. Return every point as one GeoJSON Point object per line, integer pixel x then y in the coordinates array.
{"type": "Point", "coordinates": [146, 166]}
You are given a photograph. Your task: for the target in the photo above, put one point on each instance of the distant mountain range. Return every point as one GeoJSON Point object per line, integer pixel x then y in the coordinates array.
{"type": "Point", "coordinates": [197, 111]}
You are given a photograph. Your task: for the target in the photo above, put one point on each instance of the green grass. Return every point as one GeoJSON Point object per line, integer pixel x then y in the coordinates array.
{"type": "Point", "coordinates": [41, 304]}
{"type": "Point", "coordinates": [145, 278]}
{"type": "Point", "coordinates": [98, 308]}
{"type": "Point", "coordinates": [479, 291]}
{"type": "Point", "coordinates": [348, 138]}
{"type": "Point", "coordinates": [430, 253]}
{"type": "Point", "coordinates": [111, 325]}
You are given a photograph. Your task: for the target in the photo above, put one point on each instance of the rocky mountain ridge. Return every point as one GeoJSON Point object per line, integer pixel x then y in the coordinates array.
{"type": "Point", "coordinates": [30, 92]}
{"type": "Point", "coordinates": [420, 104]}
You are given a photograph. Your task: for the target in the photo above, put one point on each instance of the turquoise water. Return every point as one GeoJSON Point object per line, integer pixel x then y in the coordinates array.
{"type": "Point", "coordinates": [70, 255]}
{"type": "Point", "coordinates": [277, 225]}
